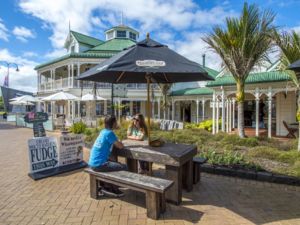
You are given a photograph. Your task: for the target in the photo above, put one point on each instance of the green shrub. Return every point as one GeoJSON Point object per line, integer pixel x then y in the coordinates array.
{"type": "Point", "coordinates": [236, 140]}
{"type": "Point", "coordinates": [78, 128]}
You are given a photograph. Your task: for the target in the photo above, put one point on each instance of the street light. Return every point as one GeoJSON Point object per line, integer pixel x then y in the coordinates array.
{"type": "Point", "coordinates": [8, 65]}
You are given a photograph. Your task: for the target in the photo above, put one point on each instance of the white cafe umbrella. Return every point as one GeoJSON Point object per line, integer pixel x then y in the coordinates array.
{"type": "Point", "coordinates": [60, 96]}
{"type": "Point", "coordinates": [18, 102]}
{"type": "Point", "coordinates": [90, 97]}
{"type": "Point", "coordinates": [25, 98]}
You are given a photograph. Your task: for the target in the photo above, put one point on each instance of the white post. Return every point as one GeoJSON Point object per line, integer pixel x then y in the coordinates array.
{"type": "Point", "coordinates": [218, 116]}
{"type": "Point", "coordinates": [203, 109]}
{"type": "Point", "coordinates": [158, 108]}
{"type": "Point", "coordinates": [52, 81]}
{"type": "Point", "coordinates": [230, 115]}
{"type": "Point", "coordinates": [173, 109]}
{"type": "Point", "coordinates": [72, 74]}
{"type": "Point", "coordinates": [69, 76]}
{"type": "Point", "coordinates": [197, 109]}
{"type": "Point", "coordinates": [233, 113]}
{"type": "Point", "coordinates": [227, 116]}
{"type": "Point", "coordinates": [73, 110]}
{"type": "Point", "coordinates": [270, 113]}
{"type": "Point", "coordinates": [131, 108]}
{"type": "Point", "coordinates": [119, 109]}
{"type": "Point", "coordinates": [223, 110]}
{"type": "Point", "coordinates": [105, 107]}
{"type": "Point", "coordinates": [78, 109]}
{"type": "Point", "coordinates": [213, 114]}
{"type": "Point", "coordinates": [257, 112]}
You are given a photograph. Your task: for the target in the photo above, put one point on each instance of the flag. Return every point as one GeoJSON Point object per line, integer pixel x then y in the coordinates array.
{"type": "Point", "coordinates": [5, 84]}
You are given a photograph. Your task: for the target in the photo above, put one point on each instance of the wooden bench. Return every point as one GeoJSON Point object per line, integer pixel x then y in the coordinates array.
{"type": "Point", "coordinates": [154, 188]}
{"type": "Point", "coordinates": [197, 162]}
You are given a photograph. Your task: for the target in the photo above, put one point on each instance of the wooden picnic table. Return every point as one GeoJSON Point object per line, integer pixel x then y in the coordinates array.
{"type": "Point", "coordinates": [177, 158]}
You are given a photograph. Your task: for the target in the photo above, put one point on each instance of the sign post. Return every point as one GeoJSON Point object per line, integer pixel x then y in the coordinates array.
{"type": "Point", "coordinates": [37, 118]}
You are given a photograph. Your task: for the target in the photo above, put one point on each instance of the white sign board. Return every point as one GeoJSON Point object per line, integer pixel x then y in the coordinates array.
{"type": "Point", "coordinates": [43, 154]}
{"type": "Point", "coordinates": [71, 149]}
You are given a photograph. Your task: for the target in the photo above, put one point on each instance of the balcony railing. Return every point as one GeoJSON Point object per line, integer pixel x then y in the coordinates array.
{"type": "Point", "coordinates": [64, 83]}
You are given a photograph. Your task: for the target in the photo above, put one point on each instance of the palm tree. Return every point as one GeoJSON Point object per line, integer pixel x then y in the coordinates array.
{"type": "Point", "coordinates": [242, 44]}
{"type": "Point", "coordinates": [289, 44]}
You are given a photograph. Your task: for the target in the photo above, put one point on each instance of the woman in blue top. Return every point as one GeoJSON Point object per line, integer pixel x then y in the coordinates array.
{"type": "Point", "coordinates": [100, 153]}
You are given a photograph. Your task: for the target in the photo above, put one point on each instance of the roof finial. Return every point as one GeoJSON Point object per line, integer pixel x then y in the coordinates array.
{"type": "Point", "coordinates": [148, 35]}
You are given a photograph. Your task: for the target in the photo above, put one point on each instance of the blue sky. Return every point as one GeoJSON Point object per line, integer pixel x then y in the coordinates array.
{"type": "Point", "coordinates": [33, 31]}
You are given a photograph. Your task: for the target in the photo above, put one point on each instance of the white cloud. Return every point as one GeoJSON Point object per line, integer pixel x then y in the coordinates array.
{"type": "Point", "coordinates": [29, 54]}
{"type": "Point", "coordinates": [193, 47]}
{"type": "Point", "coordinates": [3, 31]}
{"type": "Point", "coordinates": [25, 79]}
{"type": "Point", "coordinates": [147, 15]}
{"type": "Point", "coordinates": [23, 33]}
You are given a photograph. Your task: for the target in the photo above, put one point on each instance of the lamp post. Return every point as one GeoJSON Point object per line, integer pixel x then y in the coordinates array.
{"type": "Point", "coordinates": [8, 65]}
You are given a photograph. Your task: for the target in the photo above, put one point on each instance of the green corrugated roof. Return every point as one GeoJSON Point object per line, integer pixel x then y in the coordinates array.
{"type": "Point", "coordinates": [116, 44]}
{"type": "Point", "coordinates": [263, 77]}
{"type": "Point", "coordinates": [75, 55]}
{"type": "Point", "coordinates": [192, 91]}
{"type": "Point", "coordinates": [85, 39]}
{"type": "Point", "coordinates": [211, 72]}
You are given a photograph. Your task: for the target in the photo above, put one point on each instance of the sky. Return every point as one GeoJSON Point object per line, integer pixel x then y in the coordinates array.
{"type": "Point", "coordinates": [34, 31]}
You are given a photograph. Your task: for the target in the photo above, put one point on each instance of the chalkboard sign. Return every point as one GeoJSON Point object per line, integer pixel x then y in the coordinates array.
{"type": "Point", "coordinates": [37, 118]}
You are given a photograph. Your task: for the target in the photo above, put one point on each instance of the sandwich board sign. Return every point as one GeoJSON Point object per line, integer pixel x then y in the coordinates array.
{"type": "Point", "coordinates": [37, 118]}
{"type": "Point", "coordinates": [43, 154]}
{"type": "Point", "coordinates": [71, 149]}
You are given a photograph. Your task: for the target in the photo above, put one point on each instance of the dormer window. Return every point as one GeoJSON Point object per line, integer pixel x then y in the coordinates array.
{"type": "Point", "coordinates": [72, 49]}
{"type": "Point", "coordinates": [132, 36]}
{"type": "Point", "coordinates": [121, 33]}
{"type": "Point", "coordinates": [109, 35]}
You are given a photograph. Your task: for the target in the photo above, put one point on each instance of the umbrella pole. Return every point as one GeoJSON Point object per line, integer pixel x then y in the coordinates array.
{"type": "Point", "coordinates": [148, 107]}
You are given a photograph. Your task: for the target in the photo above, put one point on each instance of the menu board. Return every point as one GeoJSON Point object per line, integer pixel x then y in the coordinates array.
{"type": "Point", "coordinates": [71, 149]}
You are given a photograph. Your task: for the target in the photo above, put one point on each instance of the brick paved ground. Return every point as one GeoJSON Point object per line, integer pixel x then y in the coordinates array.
{"type": "Point", "coordinates": [64, 199]}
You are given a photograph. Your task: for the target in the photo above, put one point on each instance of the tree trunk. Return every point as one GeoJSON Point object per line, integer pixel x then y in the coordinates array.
{"type": "Point", "coordinates": [240, 97]}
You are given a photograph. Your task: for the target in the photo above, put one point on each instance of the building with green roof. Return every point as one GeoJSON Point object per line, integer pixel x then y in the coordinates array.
{"type": "Point", "coordinates": [270, 99]}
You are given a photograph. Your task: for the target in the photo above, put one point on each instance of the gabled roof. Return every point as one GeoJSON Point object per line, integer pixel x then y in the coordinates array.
{"type": "Point", "coordinates": [75, 55]}
{"type": "Point", "coordinates": [113, 45]}
{"type": "Point", "coordinates": [85, 39]}
{"type": "Point", "coordinates": [262, 77]}
{"type": "Point", "coordinates": [192, 91]}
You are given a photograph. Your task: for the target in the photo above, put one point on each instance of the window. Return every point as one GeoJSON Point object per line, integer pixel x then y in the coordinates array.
{"type": "Point", "coordinates": [72, 48]}
{"type": "Point", "coordinates": [132, 36]}
{"type": "Point", "coordinates": [109, 35]}
{"type": "Point", "coordinates": [121, 33]}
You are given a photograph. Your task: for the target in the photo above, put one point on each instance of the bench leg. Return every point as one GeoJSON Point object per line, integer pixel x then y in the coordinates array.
{"type": "Point", "coordinates": [152, 204]}
{"type": "Point", "coordinates": [132, 165]}
{"type": "Point", "coordinates": [162, 203]}
{"type": "Point", "coordinates": [93, 187]}
{"type": "Point", "coordinates": [196, 173]}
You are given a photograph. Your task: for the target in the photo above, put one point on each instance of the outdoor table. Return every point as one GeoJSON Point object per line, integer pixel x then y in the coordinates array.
{"type": "Point", "coordinates": [177, 158]}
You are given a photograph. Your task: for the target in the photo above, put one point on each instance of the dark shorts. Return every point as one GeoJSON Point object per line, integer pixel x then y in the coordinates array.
{"type": "Point", "coordinates": [109, 167]}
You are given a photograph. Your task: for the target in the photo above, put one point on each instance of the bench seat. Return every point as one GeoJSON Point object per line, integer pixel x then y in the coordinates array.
{"type": "Point", "coordinates": [154, 188]}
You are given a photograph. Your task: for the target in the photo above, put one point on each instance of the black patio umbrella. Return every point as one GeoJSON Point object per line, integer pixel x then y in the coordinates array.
{"type": "Point", "coordinates": [146, 62]}
{"type": "Point", "coordinates": [295, 66]}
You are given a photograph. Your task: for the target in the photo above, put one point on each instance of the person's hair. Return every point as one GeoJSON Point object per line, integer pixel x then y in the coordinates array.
{"type": "Point", "coordinates": [142, 123]}
{"type": "Point", "coordinates": [109, 121]}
